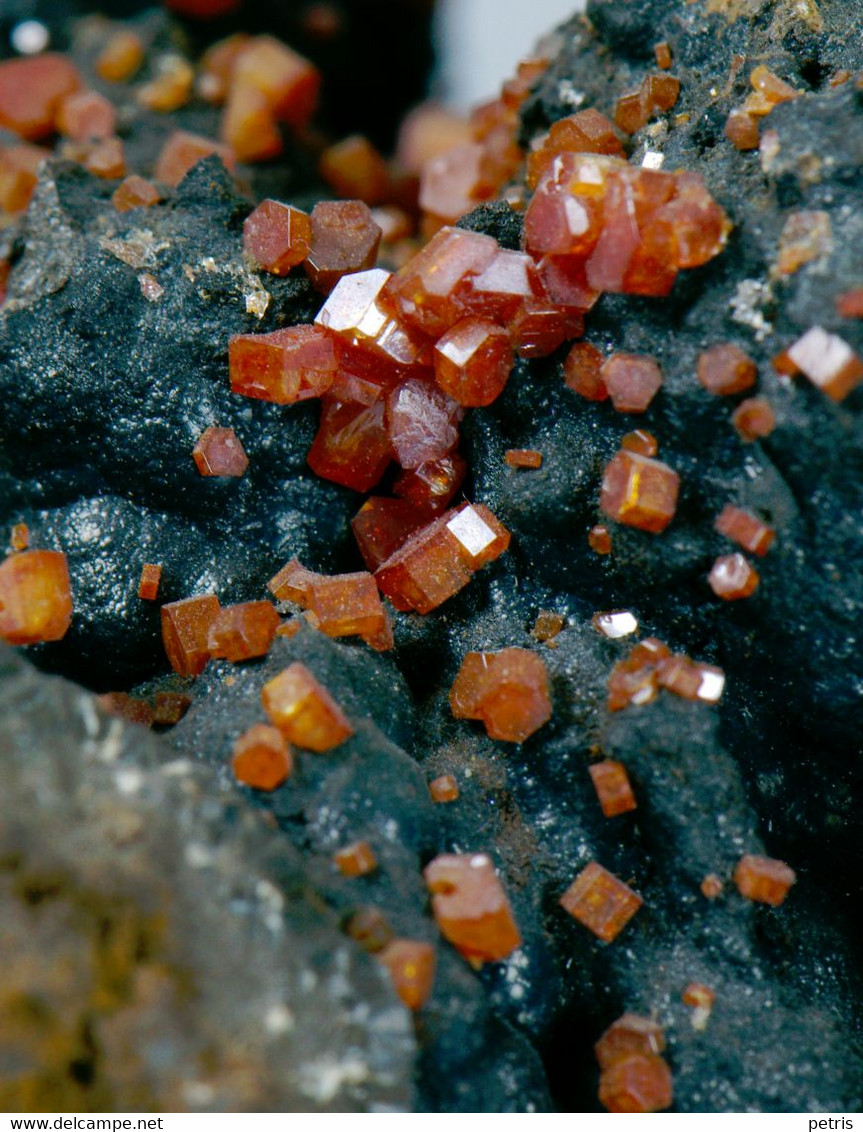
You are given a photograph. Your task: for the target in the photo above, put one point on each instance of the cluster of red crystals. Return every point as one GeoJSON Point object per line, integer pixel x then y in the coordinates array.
{"type": "Point", "coordinates": [634, 108]}
{"type": "Point", "coordinates": [285, 366]}
{"type": "Point", "coordinates": [650, 666]}
{"type": "Point", "coordinates": [135, 192]}
{"type": "Point", "coordinates": [19, 166]}
{"type": "Point", "coordinates": [444, 788]}
{"type": "Point", "coordinates": [340, 605]}
{"type": "Point", "coordinates": [746, 529]}
{"type": "Point", "coordinates": [732, 577]}
{"type": "Point", "coordinates": [277, 237]}
{"type": "Point", "coordinates": [32, 91]}
{"type": "Point", "coordinates": [630, 228]}
{"type": "Point", "coordinates": [604, 904]}
{"type": "Point", "coordinates": [120, 57]}
{"type": "Point", "coordinates": [304, 711]}
{"type": "Point", "coordinates": [240, 632]}
{"type": "Point", "coordinates": [356, 860]}
{"type": "Point", "coordinates": [826, 359]}
{"type": "Point", "coordinates": [632, 381]}
{"type": "Point", "coordinates": [355, 169]}
{"type": "Point", "coordinates": [753, 418]}
{"type": "Point", "coordinates": [523, 458]}
{"type": "Point", "coordinates": [439, 560]}
{"type": "Point", "coordinates": [170, 707]}
{"type": "Point", "coordinates": [805, 236]}
{"type": "Point", "coordinates": [151, 576]}
{"type": "Point", "coordinates": [343, 238]}
{"type": "Point", "coordinates": [639, 492]}
{"type": "Point", "coordinates": [261, 758]}
{"type": "Point", "coordinates": [506, 690]}
{"type": "Point", "coordinates": [547, 625]}
{"type": "Point", "coordinates": [182, 151]}
{"type": "Point", "coordinates": [471, 907]}
{"type": "Point", "coordinates": [763, 879]}
{"type": "Point", "coordinates": [768, 92]}
{"type": "Point", "coordinates": [725, 369]}
{"type": "Point", "coordinates": [35, 597]}
{"type": "Point", "coordinates": [186, 630]}
{"type": "Point", "coordinates": [411, 965]}
{"type": "Point", "coordinates": [219, 452]}
{"type": "Point", "coordinates": [644, 443]}
{"type": "Point", "coordinates": [613, 790]}
{"type": "Point", "coordinates": [599, 539]}
{"type": "Point", "coordinates": [588, 131]}
{"type": "Point", "coordinates": [582, 371]}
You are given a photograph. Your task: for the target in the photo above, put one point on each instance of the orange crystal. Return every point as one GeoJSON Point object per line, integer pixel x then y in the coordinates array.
{"type": "Point", "coordinates": [604, 904]}
{"type": "Point", "coordinates": [285, 366]}
{"type": "Point", "coordinates": [19, 166]}
{"type": "Point", "coordinates": [86, 115]}
{"type": "Point", "coordinates": [763, 879]}
{"type": "Point", "coordinates": [444, 788]}
{"type": "Point", "coordinates": [356, 860]}
{"type": "Point", "coordinates": [662, 54]}
{"type": "Point", "coordinates": [630, 1034]}
{"type": "Point", "coordinates": [850, 303]}
{"type": "Point", "coordinates": [19, 536]}
{"type": "Point", "coordinates": [632, 381]}
{"type": "Point", "coordinates": [438, 560]}
{"type": "Point", "coordinates": [345, 605]}
{"type": "Point", "coordinates": [636, 1084]}
{"type": "Point", "coordinates": [121, 56]}
{"type": "Point", "coordinates": [344, 238]}
{"type": "Point", "coordinates": [103, 158]}
{"type": "Point", "coordinates": [692, 680]}
{"type": "Point", "coordinates": [31, 90]}
{"type": "Point", "coordinates": [587, 131]}
{"type": "Point", "coordinates": [135, 192]}
{"type": "Point", "coordinates": [773, 89]}
{"type": "Point", "coordinates": [170, 707]}
{"type": "Point", "coordinates": [725, 369]}
{"type": "Point", "coordinates": [304, 711]}
{"type": "Point", "coordinates": [261, 758]}
{"type": "Point", "coordinates": [217, 67]}
{"type": "Point", "coordinates": [506, 690]}
{"type": "Point", "coordinates": [381, 526]}
{"type": "Point", "coordinates": [151, 576]}
{"type": "Point", "coordinates": [471, 907]}
{"type": "Point", "coordinates": [635, 108]}
{"type": "Point", "coordinates": [289, 83]}
{"type": "Point", "coordinates": [453, 183]}
{"type": "Point", "coordinates": [249, 126]}
{"type": "Point", "coordinates": [741, 129]}
{"type": "Point", "coordinates": [711, 886]}
{"type": "Point", "coordinates": [639, 492]}
{"type": "Point", "coordinates": [582, 371]}
{"type": "Point", "coordinates": [353, 168]}
{"type": "Point", "coordinates": [182, 151]}
{"type": "Point", "coordinates": [276, 236]}
{"type": "Point", "coordinates": [548, 625]}
{"type": "Point", "coordinates": [523, 458]}
{"type": "Point", "coordinates": [170, 88]}
{"type": "Point", "coordinates": [431, 485]}
{"type": "Point", "coordinates": [611, 783]}
{"type": "Point", "coordinates": [473, 361]}
{"type": "Point", "coordinates": [219, 452]}
{"type": "Point", "coordinates": [242, 631]}
{"type": "Point", "coordinates": [745, 529]}
{"type": "Point", "coordinates": [753, 418]}
{"type": "Point", "coordinates": [185, 632]}
{"type": "Point", "coordinates": [732, 577]}
{"type": "Point", "coordinates": [827, 360]}
{"type": "Point", "coordinates": [599, 539]}
{"type": "Point", "coordinates": [644, 443]}
{"type": "Point", "coordinates": [352, 446]}
{"type": "Point", "coordinates": [35, 597]}
{"type": "Point", "coordinates": [411, 965]}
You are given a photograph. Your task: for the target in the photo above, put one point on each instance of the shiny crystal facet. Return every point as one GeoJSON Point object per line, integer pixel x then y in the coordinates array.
{"type": "Point", "coordinates": [304, 711]}
{"type": "Point", "coordinates": [639, 492]}
{"type": "Point", "coordinates": [185, 632]}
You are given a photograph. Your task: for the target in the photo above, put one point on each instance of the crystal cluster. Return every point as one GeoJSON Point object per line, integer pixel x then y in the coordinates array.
{"type": "Point", "coordinates": [339, 605]}
{"type": "Point", "coordinates": [506, 690]}
{"type": "Point", "coordinates": [634, 1077]}
{"type": "Point", "coordinates": [768, 92]}
{"type": "Point", "coordinates": [471, 907]}
{"type": "Point", "coordinates": [636, 680]}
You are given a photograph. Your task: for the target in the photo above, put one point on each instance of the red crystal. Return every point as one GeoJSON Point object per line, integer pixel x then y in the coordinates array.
{"type": "Point", "coordinates": [471, 907]}
{"type": "Point", "coordinates": [430, 486]}
{"type": "Point", "coordinates": [632, 381]}
{"type": "Point", "coordinates": [285, 366]}
{"type": "Point", "coordinates": [732, 577]}
{"type": "Point", "coordinates": [582, 372]}
{"type": "Point", "coordinates": [185, 632]}
{"type": "Point", "coordinates": [745, 529]}
{"type": "Point", "coordinates": [422, 422]}
{"type": "Point", "coordinates": [411, 965]}
{"type": "Point", "coordinates": [31, 90]}
{"type": "Point", "coordinates": [182, 151]}
{"type": "Point", "coordinates": [354, 169]}
{"type": "Point", "coordinates": [277, 236]}
{"type": "Point", "coordinates": [630, 1034]}
{"type": "Point", "coordinates": [304, 711]}
{"type": "Point", "coordinates": [344, 238]}
{"type": "Point", "coordinates": [828, 361]}
{"type": "Point", "coordinates": [85, 116]}
{"type": "Point", "coordinates": [240, 632]}
{"type": "Point", "coordinates": [611, 783]}
{"type": "Point", "coordinates": [523, 458]}
{"type": "Point", "coordinates": [636, 1084]}
{"type": "Point", "coordinates": [763, 879]}
{"type": "Point", "coordinates": [219, 452]}
{"type": "Point", "coordinates": [19, 166]}
{"type": "Point", "coordinates": [148, 587]}
{"type": "Point", "coordinates": [356, 860]}
{"type": "Point", "coordinates": [644, 443]}
{"type": "Point", "coordinates": [753, 419]}
{"type": "Point", "coordinates": [352, 446]}
{"type": "Point", "coordinates": [35, 597]}
{"type": "Point", "coordinates": [381, 526]}
{"type": "Point", "coordinates": [506, 690]}
{"type": "Point", "coordinates": [289, 83]}
{"type": "Point", "coordinates": [444, 788]}
{"type": "Point", "coordinates": [135, 192]}
{"type": "Point", "coordinates": [725, 369]}
{"type": "Point", "coordinates": [639, 492]}
{"type": "Point", "coordinates": [261, 758]}
{"type": "Point", "coordinates": [604, 904]}
{"type": "Point", "coordinates": [473, 361]}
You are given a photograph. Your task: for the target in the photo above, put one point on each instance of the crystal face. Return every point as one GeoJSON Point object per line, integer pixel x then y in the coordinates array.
{"type": "Point", "coordinates": [182, 151]}
{"type": "Point", "coordinates": [632, 381]}
{"type": "Point", "coordinates": [473, 361]}
{"type": "Point", "coordinates": [284, 366]}
{"type": "Point", "coordinates": [506, 690]}
{"type": "Point", "coordinates": [612, 786]}
{"type": "Point", "coordinates": [240, 632]}
{"type": "Point", "coordinates": [219, 452]}
{"type": "Point", "coordinates": [185, 632]}
{"type": "Point", "coordinates": [277, 237]}
{"type": "Point", "coordinates": [356, 860]}
{"type": "Point", "coordinates": [604, 904]}
{"type": "Point", "coordinates": [763, 879]}
{"type": "Point", "coordinates": [411, 965]}
{"type": "Point", "coordinates": [344, 238]}
{"type": "Point", "coordinates": [444, 788]}
{"type": "Point", "coordinates": [35, 597]}
{"type": "Point", "coordinates": [746, 529]}
{"type": "Point", "coordinates": [639, 492]}
{"type": "Point", "coordinates": [753, 418]}
{"type": "Point", "coordinates": [471, 907]}
{"type": "Point", "coordinates": [725, 369]}
{"type": "Point", "coordinates": [304, 711]}
{"type": "Point", "coordinates": [261, 758]}
{"type": "Point", "coordinates": [732, 577]}
{"type": "Point", "coordinates": [151, 576]}
{"type": "Point", "coordinates": [636, 1084]}
{"type": "Point", "coordinates": [31, 91]}
{"type": "Point", "coordinates": [630, 1034]}
{"type": "Point", "coordinates": [827, 361]}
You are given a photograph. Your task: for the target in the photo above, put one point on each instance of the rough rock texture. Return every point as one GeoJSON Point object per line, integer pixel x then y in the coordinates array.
{"type": "Point", "coordinates": [104, 395]}
{"type": "Point", "coordinates": [119, 868]}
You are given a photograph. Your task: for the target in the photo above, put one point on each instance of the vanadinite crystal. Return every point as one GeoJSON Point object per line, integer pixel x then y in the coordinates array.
{"type": "Point", "coordinates": [639, 492]}
{"type": "Point", "coordinates": [240, 632]}
{"type": "Point", "coordinates": [431, 485]}
{"type": "Point", "coordinates": [170, 707]}
{"type": "Point", "coordinates": [355, 169]}
{"type": "Point", "coordinates": [471, 907]}
{"type": "Point", "coordinates": [31, 91]}
{"type": "Point", "coordinates": [630, 1034]}
{"type": "Point", "coordinates": [261, 758]}
{"type": "Point", "coordinates": [293, 364]}
{"type": "Point", "coordinates": [691, 680]}
{"type": "Point", "coordinates": [635, 108]}
{"type": "Point", "coordinates": [356, 860]}
{"type": "Point", "coordinates": [344, 238]}
{"type": "Point", "coordinates": [725, 369]}
{"type": "Point", "coordinates": [523, 458]}
{"type": "Point", "coordinates": [422, 422]}
{"type": "Point", "coordinates": [344, 605]}
{"type": "Point", "coordinates": [753, 418]}
{"type": "Point", "coordinates": [276, 236]}
{"type": "Point", "coordinates": [636, 1084]}
{"type": "Point", "coordinates": [826, 359]}
{"type": "Point", "coordinates": [121, 56]}
{"type": "Point", "coordinates": [604, 904]}
{"type": "Point", "coordinates": [19, 537]}
{"type": "Point", "coordinates": [19, 165]}
{"type": "Point", "coordinates": [615, 624]}
{"type": "Point", "coordinates": [582, 371]}
{"type": "Point", "coordinates": [473, 361]}
{"type": "Point", "coordinates": [507, 690]}
{"type": "Point", "coordinates": [611, 783]}
{"type": "Point", "coordinates": [382, 525]}
{"type": "Point", "coordinates": [741, 129]}
{"type": "Point", "coordinates": [763, 879]}
{"type": "Point", "coordinates": [732, 577]}
{"type": "Point", "coordinates": [86, 115]}
{"type": "Point", "coordinates": [182, 151]}
{"type": "Point", "coordinates": [219, 452]}
{"type": "Point", "coordinates": [745, 529]}
{"type": "Point", "coordinates": [289, 83]}
{"type": "Point", "coordinates": [599, 539]}
{"type": "Point", "coordinates": [304, 711]}
{"type": "Point", "coordinates": [411, 965]}
{"type": "Point", "coordinates": [444, 788]}
{"type": "Point", "coordinates": [185, 632]}
{"type": "Point", "coordinates": [151, 576]}
{"type": "Point", "coordinates": [135, 192]}
{"type": "Point", "coordinates": [436, 562]}
{"type": "Point", "coordinates": [632, 381]}
{"type": "Point", "coordinates": [351, 446]}
{"type": "Point", "coordinates": [711, 886]}
{"type": "Point", "coordinates": [587, 131]}
{"type": "Point", "coordinates": [35, 597]}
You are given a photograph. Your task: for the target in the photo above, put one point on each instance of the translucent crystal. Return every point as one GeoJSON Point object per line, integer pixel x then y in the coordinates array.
{"type": "Point", "coordinates": [604, 904]}
{"type": "Point", "coordinates": [471, 907]}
